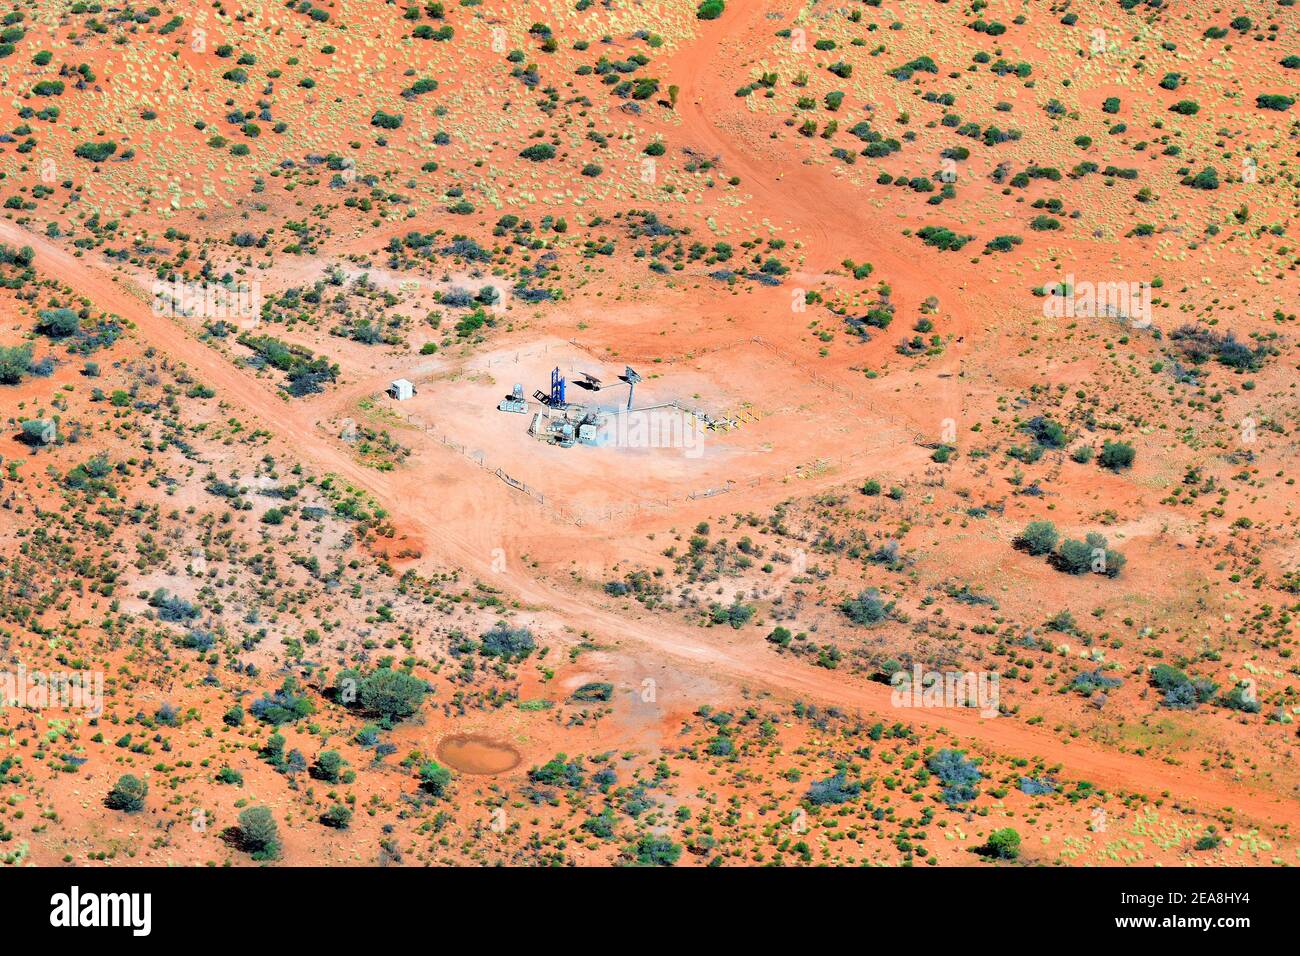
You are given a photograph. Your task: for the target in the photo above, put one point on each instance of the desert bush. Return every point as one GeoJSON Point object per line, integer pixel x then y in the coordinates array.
{"type": "Point", "coordinates": [1180, 691]}
{"type": "Point", "coordinates": [655, 850]}
{"type": "Point", "coordinates": [594, 692]}
{"type": "Point", "coordinates": [57, 323]}
{"type": "Point", "coordinates": [127, 794]}
{"type": "Point", "coordinates": [1210, 840]}
{"type": "Point", "coordinates": [329, 763]}
{"type": "Point", "coordinates": [1274, 101]}
{"type": "Point", "coordinates": [337, 817]}
{"type": "Point", "coordinates": [866, 609]}
{"type": "Point", "coordinates": [1034, 787]}
{"type": "Point", "coordinates": [1062, 622]}
{"type": "Point", "coordinates": [1242, 698]}
{"type": "Point", "coordinates": [1003, 844]}
{"type": "Point", "coordinates": [1208, 178]}
{"type": "Point", "coordinates": [434, 778]}
{"type": "Point", "coordinates": [508, 643]}
{"type": "Point", "coordinates": [1048, 433]}
{"type": "Point", "coordinates": [387, 693]}
{"type": "Point", "coordinates": [95, 152]}
{"type": "Point", "coordinates": [1039, 537]}
{"type": "Point", "coordinates": [1089, 682]}
{"type": "Point", "coordinates": [559, 771]}
{"type": "Point", "coordinates": [284, 706]}
{"type": "Point", "coordinates": [1080, 557]}
{"type": "Point", "coordinates": [942, 238]}
{"type": "Point", "coordinates": [737, 614]}
{"type": "Point", "coordinates": [951, 766]}
{"type": "Point", "coordinates": [258, 834]}
{"type": "Point", "coordinates": [37, 431]}
{"type": "Point", "coordinates": [957, 774]}
{"type": "Point", "coordinates": [172, 607]}
{"type": "Point", "coordinates": [538, 152]}
{"type": "Point", "coordinates": [1116, 455]}
{"type": "Point", "coordinates": [15, 362]}
{"type": "Point", "coordinates": [1002, 243]}
{"type": "Point", "coordinates": [833, 790]}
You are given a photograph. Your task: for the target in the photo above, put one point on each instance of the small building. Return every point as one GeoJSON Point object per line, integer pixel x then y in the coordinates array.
{"type": "Point", "coordinates": [401, 390]}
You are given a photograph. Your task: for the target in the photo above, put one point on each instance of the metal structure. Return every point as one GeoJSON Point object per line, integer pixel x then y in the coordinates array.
{"type": "Point", "coordinates": [514, 402]}
{"type": "Point", "coordinates": [563, 423]}
{"type": "Point", "coordinates": [557, 429]}
{"type": "Point", "coordinates": [557, 388]}
{"type": "Point", "coordinates": [631, 376]}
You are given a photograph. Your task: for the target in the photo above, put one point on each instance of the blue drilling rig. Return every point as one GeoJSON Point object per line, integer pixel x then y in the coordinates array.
{"type": "Point", "coordinates": [557, 388]}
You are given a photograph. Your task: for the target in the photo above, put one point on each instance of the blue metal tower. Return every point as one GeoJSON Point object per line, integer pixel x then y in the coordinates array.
{"type": "Point", "coordinates": [557, 388]}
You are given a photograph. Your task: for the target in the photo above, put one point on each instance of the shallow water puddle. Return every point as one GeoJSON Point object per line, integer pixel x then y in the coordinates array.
{"type": "Point", "coordinates": [471, 753]}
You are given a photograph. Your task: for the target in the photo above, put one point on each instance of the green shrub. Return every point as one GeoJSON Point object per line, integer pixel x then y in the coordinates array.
{"type": "Point", "coordinates": [258, 834]}
{"type": "Point", "coordinates": [38, 431]}
{"type": "Point", "coordinates": [338, 817]}
{"type": "Point", "coordinates": [1090, 554]}
{"type": "Point", "coordinates": [127, 794]}
{"type": "Point", "coordinates": [384, 692]}
{"type": "Point", "coordinates": [833, 791]}
{"type": "Point", "coordinates": [1047, 432]}
{"type": "Point", "coordinates": [95, 152]}
{"type": "Point", "coordinates": [538, 152]}
{"type": "Point", "coordinates": [1208, 178]}
{"type": "Point", "coordinates": [434, 778]}
{"type": "Point", "coordinates": [1116, 455]}
{"type": "Point", "coordinates": [942, 238]}
{"type": "Point", "coordinates": [1003, 844]}
{"type": "Point", "coordinates": [284, 706]}
{"type": "Point", "coordinates": [1274, 101]}
{"type": "Point", "coordinates": [1210, 840]}
{"type": "Point", "coordinates": [655, 850]}
{"type": "Point", "coordinates": [594, 692]}
{"type": "Point", "coordinates": [736, 614]}
{"type": "Point", "coordinates": [328, 765]}
{"type": "Point", "coordinates": [866, 609]}
{"type": "Point", "coordinates": [1039, 537]}
{"type": "Point", "coordinates": [508, 643]}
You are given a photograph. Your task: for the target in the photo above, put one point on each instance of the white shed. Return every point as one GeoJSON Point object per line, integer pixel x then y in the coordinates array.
{"type": "Point", "coordinates": [401, 389]}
